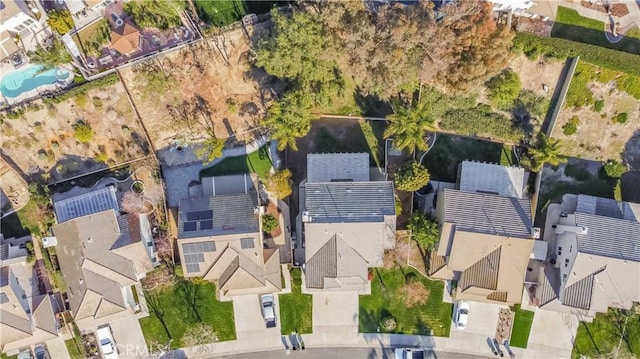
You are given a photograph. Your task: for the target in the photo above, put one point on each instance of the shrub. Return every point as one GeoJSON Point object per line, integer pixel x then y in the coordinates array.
{"type": "Point", "coordinates": [388, 324]}
{"type": "Point", "coordinates": [598, 105]}
{"type": "Point", "coordinates": [269, 223]}
{"type": "Point", "coordinates": [571, 126]}
{"type": "Point", "coordinates": [398, 207]}
{"type": "Point", "coordinates": [83, 132]}
{"type": "Point", "coordinates": [411, 177]}
{"type": "Point", "coordinates": [102, 157]}
{"type": "Point", "coordinates": [533, 45]}
{"type": "Point", "coordinates": [279, 183]}
{"type": "Point", "coordinates": [81, 100]}
{"type": "Point", "coordinates": [60, 21]}
{"type": "Point", "coordinates": [424, 231]}
{"type": "Point", "coordinates": [620, 118]}
{"type": "Point", "coordinates": [159, 14]}
{"type": "Point", "coordinates": [83, 88]}
{"type": "Point", "coordinates": [480, 122]}
{"type": "Point", "coordinates": [614, 169]}
{"type": "Point", "coordinates": [579, 93]}
{"type": "Point", "coordinates": [504, 89]}
{"type": "Point", "coordinates": [97, 102]}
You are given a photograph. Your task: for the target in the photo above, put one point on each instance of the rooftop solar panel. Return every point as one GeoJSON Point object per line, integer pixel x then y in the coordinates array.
{"type": "Point", "coordinates": [190, 226]}
{"type": "Point", "coordinates": [199, 215]}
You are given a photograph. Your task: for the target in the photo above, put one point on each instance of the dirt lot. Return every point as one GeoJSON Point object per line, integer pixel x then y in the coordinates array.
{"type": "Point", "coordinates": [530, 74]}
{"type": "Point", "coordinates": [233, 93]}
{"type": "Point", "coordinates": [43, 140]}
{"type": "Point", "coordinates": [598, 137]}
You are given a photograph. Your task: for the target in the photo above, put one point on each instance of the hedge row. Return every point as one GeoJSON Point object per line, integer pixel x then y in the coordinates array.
{"type": "Point", "coordinates": [533, 46]}
{"type": "Point", "coordinates": [480, 121]}
{"type": "Point", "coordinates": [83, 88]}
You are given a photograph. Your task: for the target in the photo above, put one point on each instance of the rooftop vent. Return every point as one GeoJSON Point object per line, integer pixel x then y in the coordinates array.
{"type": "Point", "coordinates": [306, 217]}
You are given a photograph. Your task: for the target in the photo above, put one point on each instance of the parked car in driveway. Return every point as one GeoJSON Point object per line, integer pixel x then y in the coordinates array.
{"type": "Point", "coordinates": [107, 344]}
{"type": "Point", "coordinates": [462, 315]}
{"type": "Point", "coordinates": [25, 354]}
{"type": "Point", "coordinates": [409, 353]}
{"type": "Point", "coordinates": [268, 310]}
{"type": "Point", "coordinates": [41, 352]}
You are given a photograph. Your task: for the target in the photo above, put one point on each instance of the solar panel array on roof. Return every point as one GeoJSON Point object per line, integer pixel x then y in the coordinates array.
{"type": "Point", "coordinates": [194, 254]}
{"type": "Point", "coordinates": [86, 204]}
{"type": "Point", "coordinates": [199, 215]}
{"type": "Point", "coordinates": [190, 226]}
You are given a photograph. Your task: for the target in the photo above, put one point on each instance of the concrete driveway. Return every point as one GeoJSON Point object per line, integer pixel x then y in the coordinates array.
{"type": "Point", "coordinates": [482, 322]}
{"type": "Point", "coordinates": [552, 334]}
{"type": "Point", "coordinates": [129, 338]}
{"type": "Point", "coordinates": [335, 313]}
{"type": "Point", "coordinates": [249, 320]}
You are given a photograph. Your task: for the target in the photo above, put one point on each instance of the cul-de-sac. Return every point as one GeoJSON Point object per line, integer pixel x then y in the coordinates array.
{"type": "Point", "coordinates": [319, 179]}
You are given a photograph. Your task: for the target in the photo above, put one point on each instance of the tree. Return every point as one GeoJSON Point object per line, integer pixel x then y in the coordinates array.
{"type": "Point", "coordinates": [470, 46]}
{"type": "Point", "coordinates": [161, 14]}
{"type": "Point", "coordinates": [52, 56]}
{"type": "Point", "coordinates": [158, 309]}
{"type": "Point", "coordinates": [298, 51]}
{"type": "Point", "coordinates": [60, 21]}
{"type": "Point", "coordinates": [411, 177]}
{"type": "Point", "coordinates": [504, 89]}
{"type": "Point", "coordinates": [280, 183]}
{"type": "Point", "coordinates": [83, 132]}
{"type": "Point", "coordinates": [133, 203]}
{"type": "Point", "coordinates": [210, 149]}
{"type": "Point", "coordinates": [269, 223]}
{"type": "Point", "coordinates": [614, 169]}
{"type": "Point", "coordinates": [191, 297]}
{"type": "Point", "coordinates": [546, 150]}
{"type": "Point", "coordinates": [199, 334]}
{"type": "Point", "coordinates": [289, 119]}
{"type": "Point", "coordinates": [407, 126]}
{"type": "Point", "coordinates": [424, 231]}
{"type": "Point", "coordinates": [156, 74]}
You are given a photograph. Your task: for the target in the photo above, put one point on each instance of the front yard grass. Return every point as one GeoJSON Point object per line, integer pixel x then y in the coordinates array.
{"type": "Point", "coordinates": [73, 349]}
{"type": "Point", "coordinates": [449, 151]}
{"type": "Point", "coordinates": [387, 299]}
{"type": "Point", "coordinates": [218, 315]}
{"type": "Point", "coordinates": [257, 162]}
{"type": "Point", "coordinates": [602, 336]}
{"type": "Point", "coordinates": [296, 309]}
{"type": "Point", "coordinates": [521, 327]}
{"type": "Point", "coordinates": [571, 26]}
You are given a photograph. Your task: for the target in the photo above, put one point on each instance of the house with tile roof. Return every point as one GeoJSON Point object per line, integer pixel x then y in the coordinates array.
{"type": "Point", "coordinates": [595, 259]}
{"type": "Point", "coordinates": [102, 259]}
{"type": "Point", "coordinates": [486, 234]}
{"type": "Point", "coordinates": [220, 238]}
{"type": "Point", "coordinates": [27, 313]}
{"type": "Point", "coordinates": [347, 221]}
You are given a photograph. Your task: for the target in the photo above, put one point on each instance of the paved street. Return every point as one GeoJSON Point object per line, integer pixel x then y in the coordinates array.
{"type": "Point", "coordinates": [350, 353]}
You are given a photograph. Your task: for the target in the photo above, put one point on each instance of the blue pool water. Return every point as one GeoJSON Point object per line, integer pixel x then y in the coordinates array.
{"type": "Point", "coordinates": [17, 82]}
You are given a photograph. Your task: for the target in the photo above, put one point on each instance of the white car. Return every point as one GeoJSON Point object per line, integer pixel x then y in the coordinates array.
{"type": "Point", "coordinates": [462, 315]}
{"type": "Point", "coordinates": [268, 310]}
{"type": "Point", "coordinates": [409, 353]}
{"type": "Point", "coordinates": [107, 345]}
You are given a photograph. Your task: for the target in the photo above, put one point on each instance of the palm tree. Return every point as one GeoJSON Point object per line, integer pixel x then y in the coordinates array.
{"type": "Point", "coordinates": [288, 120]}
{"type": "Point", "coordinates": [407, 126]}
{"type": "Point", "coordinates": [546, 150]}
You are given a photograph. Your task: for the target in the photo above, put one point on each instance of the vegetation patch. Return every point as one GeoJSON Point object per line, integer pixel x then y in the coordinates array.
{"type": "Point", "coordinates": [256, 162]}
{"type": "Point", "coordinates": [521, 327]}
{"type": "Point", "coordinates": [182, 307]}
{"type": "Point", "coordinates": [449, 151]}
{"type": "Point", "coordinates": [388, 300]}
{"type": "Point", "coordinates": [93, 38]}
{"type": "Point", "coordinates": [220, 13]}
{"type": "Point", "coordinates": [534, 46]}
{"type": "Point", "coordinates": [571, 126]}
{"type": "Point", "coordinates": [159, 14]}
{"type": "Point", "coordinates": [482, 122]}
{"type": "Point", "coordinates": [296, 309]}
{"type": "Point", "coordinates": [620, 118]}
{"type": "Point", "coordinates": [570, 25]}
{"type": "Point", "coordinates": [604, 334]}
{"type": "Point", "coordinates": [504, 89]}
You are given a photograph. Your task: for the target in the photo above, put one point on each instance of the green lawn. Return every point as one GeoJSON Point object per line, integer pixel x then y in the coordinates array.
{"type": "Point", "coordinates": [387, 299]}
{"type": "Point", "coordinates": [26, 221]}
{"type": "Point", "coordinates": [449, 151]}
{"type": "Point", "coordinates": [220, 13]}
{"type": "Point", "coordinates": [602, 336]}
{"type": "Point", "coordinates": [257, 162]}
{"type": "Point", "coordinates": [5, 356]}
{"type": "Point", "coordinates": [571, 26]}
{"type": "Point", "coordinates": [74, 351]}
{"type": "Point", "coordinates": [521, 327]}
{"type": "Point", "coordinates": [219, 315]}
{"type": "Point", "coordinates": [296, 309]}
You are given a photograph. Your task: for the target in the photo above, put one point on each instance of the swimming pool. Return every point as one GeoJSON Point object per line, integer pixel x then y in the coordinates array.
{"type": "Point", "coordinates": [18, 82]}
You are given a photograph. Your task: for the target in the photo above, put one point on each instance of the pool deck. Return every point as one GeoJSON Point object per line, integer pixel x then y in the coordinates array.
{"type": "Point", "coordinates": [35, 93]}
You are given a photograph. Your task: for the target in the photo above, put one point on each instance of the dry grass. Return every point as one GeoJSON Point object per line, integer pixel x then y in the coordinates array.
{"type": "Point", "coordinates": [397, 255]}
{"type": "Point", "coordinates": [415, 293]}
